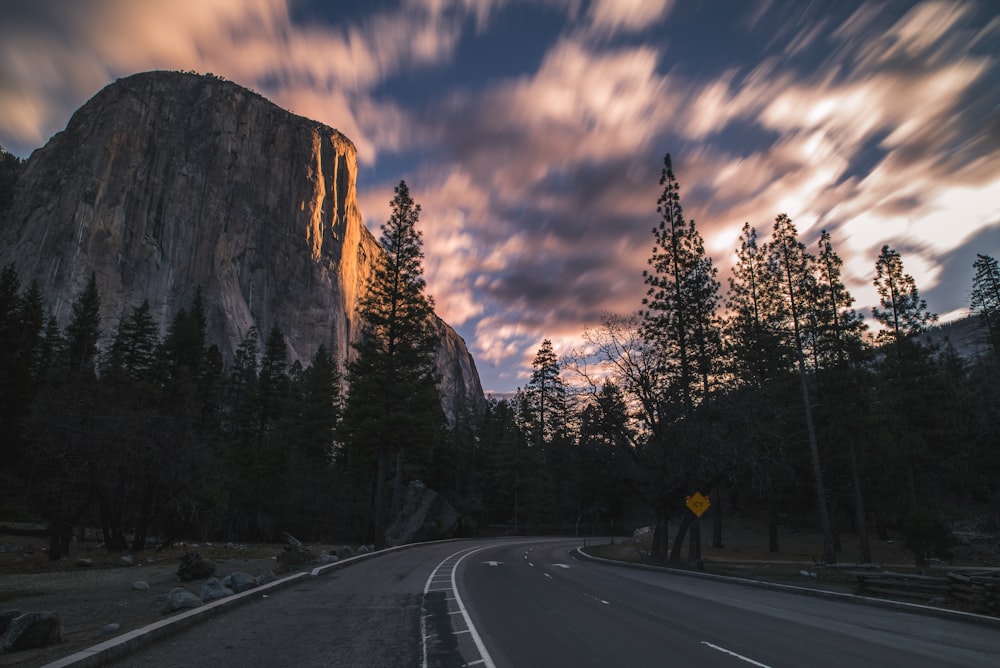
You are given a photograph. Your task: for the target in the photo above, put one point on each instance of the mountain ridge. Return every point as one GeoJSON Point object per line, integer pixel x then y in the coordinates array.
{"type": "Point", "coordinates": [167, 181]}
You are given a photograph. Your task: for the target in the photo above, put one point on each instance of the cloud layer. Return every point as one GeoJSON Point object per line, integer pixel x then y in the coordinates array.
{"type": "Point", "coordinates": [538, 178]}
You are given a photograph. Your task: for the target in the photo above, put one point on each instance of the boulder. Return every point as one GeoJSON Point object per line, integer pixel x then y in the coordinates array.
{"type": "Point", "coordinates": [127, 560]}
{"type": "Point", "coordinates": [239, 581]}
{"type": "Point", "coordinates": [425, 515]}
{"type": "Point", "coordinates": [108, 629]}
{"type": "Point", "coordinates": [6, 617]}
{"type": "Point", "coordinates": [344, 552]}
{"type": "Point", "coordinates": [265, 578]}
{"type": "Point", "coordinates": [180, 598]}
{"type": "Point", "coordinates": [213, 590]}
{"type": "Point", "coordinates": [295, 556]}
{"type": "Point", "coordinates": [195, 567]}
{"type": "Point", "coordinates": [85, 563]}
{"type": "Point", "coordinates": [31, 630]}
{"type": "Point", "coordinates": [140, 585]}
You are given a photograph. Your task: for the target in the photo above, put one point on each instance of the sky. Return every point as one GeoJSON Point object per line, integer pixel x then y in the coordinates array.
{"type": "Point", "coordinates": [532, 133]}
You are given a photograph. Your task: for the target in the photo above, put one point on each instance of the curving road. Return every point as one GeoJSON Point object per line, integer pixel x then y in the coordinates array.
{"type": "Point", "coordinates": [530, 602]}
{"type": "Point", "coordinates": [541, 607]}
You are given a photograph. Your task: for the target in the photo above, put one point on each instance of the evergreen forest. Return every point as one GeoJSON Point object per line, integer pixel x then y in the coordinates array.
{"type": "Point", "coordinates": [770, 396]}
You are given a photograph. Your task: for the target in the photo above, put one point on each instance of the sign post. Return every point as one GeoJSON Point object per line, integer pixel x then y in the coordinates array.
{"type": "Point", "coordinates": [697, 504]}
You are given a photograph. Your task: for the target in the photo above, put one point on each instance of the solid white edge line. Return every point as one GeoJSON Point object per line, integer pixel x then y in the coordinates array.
{"type": "Point", "coordinates": [485, 655]}
{"type": "Point", "coordinates": [732, 653]}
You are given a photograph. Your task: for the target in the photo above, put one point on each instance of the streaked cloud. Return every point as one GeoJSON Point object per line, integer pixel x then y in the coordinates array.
{"type": "Point", "coordinates": [538, 175]}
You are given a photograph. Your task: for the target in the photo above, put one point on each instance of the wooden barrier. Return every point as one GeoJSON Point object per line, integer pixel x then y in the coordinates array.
{"type": "Point", "coordinates": [981, 591]}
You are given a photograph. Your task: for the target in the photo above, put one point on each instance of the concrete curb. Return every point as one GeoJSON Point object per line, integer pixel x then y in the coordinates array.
{"type": "Point", "coordinates": [917, 608]}
{"type": "Point", "coordinates": [119, 646]}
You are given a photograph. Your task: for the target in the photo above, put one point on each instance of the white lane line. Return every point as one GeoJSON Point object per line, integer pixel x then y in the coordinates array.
{"type": "Point", "coordinates": [487, 659]}
{"type": "Point", "coordinates": [547, 575]}
{"type": "Point", "coordinates": [738, 656]}
{"type": "Point", "coordinates": [427, 589]}
{"type": "Point", "coordinates": [599, 600]}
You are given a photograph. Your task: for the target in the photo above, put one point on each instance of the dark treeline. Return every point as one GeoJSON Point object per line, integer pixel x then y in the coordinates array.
{"type": "Point", "coordinates": [771, 397]}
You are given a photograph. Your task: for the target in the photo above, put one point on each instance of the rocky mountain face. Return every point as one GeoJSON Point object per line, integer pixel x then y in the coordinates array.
{"type": "Point", "coordinates": [165, 181]}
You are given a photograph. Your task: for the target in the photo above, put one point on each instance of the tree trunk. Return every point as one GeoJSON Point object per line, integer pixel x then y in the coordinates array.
{"type": "Point", "coordinates": [379, 529]}
{"type": "Point", "coordinates": [835, 525]}
{"type": "Point", "coordinates": [829, 553]}
{"type": "Point", "coordinates": [859, 506]}
{"type": "Point", "coordinates": [59, 540]}
{"type": "Point", "coordinates": [104, 512]}
{"type": "Point", "coordinates": [694, 541]}
{"type": "Point", "coordinates": [717, 516]}
{"type": "Point", "coordinates": [773, 542]}
{"type": "Point", "coordinates": [397, 485]}
{"type": "Point", "coordinates": [142, 525]}
{"type": "Point", "coordinates": [881, 530]}
{"type": "Point", "coordinates": [675, 552]}
{"type": "Point", "coordinates": [658, 551]}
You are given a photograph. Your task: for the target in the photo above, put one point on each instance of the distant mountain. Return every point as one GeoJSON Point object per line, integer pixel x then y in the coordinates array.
{"type": "Point", "coordinates": [166, 181]}
{"type": "Point", "coordinates": [968, 336]}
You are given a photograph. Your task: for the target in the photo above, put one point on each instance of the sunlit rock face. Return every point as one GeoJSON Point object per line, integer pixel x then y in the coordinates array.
{"type": "Point", "coordinates": [166, 181]}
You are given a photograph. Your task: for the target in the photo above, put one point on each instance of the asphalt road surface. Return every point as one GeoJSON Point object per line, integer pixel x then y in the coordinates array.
{"type": "Point", "coordinates": [526, 603]}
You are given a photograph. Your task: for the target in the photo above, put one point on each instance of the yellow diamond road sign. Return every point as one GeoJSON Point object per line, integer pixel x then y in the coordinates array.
{"type": "Point", "coordinates": [697, 503]}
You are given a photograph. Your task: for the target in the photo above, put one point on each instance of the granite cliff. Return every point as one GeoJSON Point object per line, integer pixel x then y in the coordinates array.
{"type": "Point", "coordinates": [166, 181]}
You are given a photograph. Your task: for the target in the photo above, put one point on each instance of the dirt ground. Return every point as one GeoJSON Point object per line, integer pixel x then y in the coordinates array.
{"type": "Point", "coordinates": [89, 598]}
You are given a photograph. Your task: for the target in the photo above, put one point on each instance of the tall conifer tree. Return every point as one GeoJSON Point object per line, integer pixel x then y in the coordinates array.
{"type": "Point", "coordinates": [794, 265]}
{"type": "Point", "coordinates": [681, 300]}
{"type": "Point", "coordinates": [901, 310]}
{"type": "Point", "coordinates": [986, 297]}
{"type": "Point", "coordinates": [393, 402]}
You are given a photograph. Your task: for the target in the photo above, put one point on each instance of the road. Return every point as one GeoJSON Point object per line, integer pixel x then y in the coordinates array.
{"type": "Point", "coordinates": [541, 607]}
{"type": "Point", "coordinates": [521, 602]}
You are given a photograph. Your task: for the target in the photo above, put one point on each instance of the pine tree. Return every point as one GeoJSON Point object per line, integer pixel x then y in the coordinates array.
{"type": "Point", "coordinates": [903, 313]}
{"type": "Point", "coordinates": [986, 297]}
{"type": "Point", "coordinates": [310, 433]}
{"type": "Point", "coordinates": [906, 370]}
{"type": "Point", "coordinates": [839, 350]}
{"type": "Point", "coordinates": [794, 265]}
{"type": "Point", "coordinates": [185, 341]}
{"type": "Point", "coordinates": [546, 398]}
{"type": "Point", "coordinates": [758, 348]}
{"type": "Point", "coordinates": [393, 403]}
{"type": "Point", "coordinates": [83, 333]}
{"type": "Point", "coordinates": [840, 331]}
{"type": "Point", "coordinates": [133, 351]}
{"type": "Point", "coordinates": [682, 298]}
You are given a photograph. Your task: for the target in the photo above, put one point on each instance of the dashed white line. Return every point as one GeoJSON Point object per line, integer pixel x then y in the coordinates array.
{"type": "Point", "coordinates": [732, 653]}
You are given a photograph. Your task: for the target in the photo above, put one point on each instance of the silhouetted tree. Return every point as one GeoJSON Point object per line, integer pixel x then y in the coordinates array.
{"type": "Point", "coordinates": [393, 404]}
{"type": "Point", "coordinates": [680, 319]}
{"type": "Point", "coordinates": [986, 298]}
{"type": "Point", "coordinates": [793, 265]}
